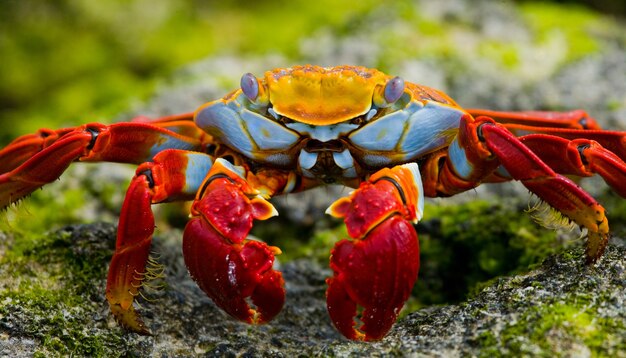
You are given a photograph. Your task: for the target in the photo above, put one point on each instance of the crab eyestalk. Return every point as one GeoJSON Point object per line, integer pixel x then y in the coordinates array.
{"type": "Point", "coordinates": [254, 90]}
{"type": "Point", "coordinates": [390, 93]}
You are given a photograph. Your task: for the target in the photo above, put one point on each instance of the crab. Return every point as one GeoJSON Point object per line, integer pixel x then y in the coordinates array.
{"type": "Point", "coordinates": [297, 128]}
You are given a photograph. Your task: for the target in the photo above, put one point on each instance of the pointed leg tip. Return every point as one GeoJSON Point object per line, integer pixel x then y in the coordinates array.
{"type": "Point", "coordinates": [595, 247]}
{"type": "Point", "coordinates": [129, 319]}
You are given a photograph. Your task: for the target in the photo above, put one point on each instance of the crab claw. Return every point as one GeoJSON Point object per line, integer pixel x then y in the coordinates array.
{"type": "Point", "coordinates": [234, 272]}
{"type": "Point", "coordinates": [376, 273]}
{"type": "Point", "coordinates": [230, 274]}
{"type": "Point", "coordinates": [376, 270]}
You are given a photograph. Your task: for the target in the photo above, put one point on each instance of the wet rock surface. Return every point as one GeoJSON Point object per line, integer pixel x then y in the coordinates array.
{"type": "Point", "coordinates": [561, 306]}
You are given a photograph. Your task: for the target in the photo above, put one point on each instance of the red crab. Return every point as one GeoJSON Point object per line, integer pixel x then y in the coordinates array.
{"type": "Point", "coordinates": [297, 128]}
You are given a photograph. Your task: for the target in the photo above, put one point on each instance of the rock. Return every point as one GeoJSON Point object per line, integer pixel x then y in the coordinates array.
{"type": "Point", "coordinates": [59, 308]}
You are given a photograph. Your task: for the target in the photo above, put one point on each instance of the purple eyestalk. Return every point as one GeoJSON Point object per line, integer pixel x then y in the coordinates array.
{"type": "Point", "coordinates": [394, 89]}
{"type": "Point", "coordinates": [250, 86]}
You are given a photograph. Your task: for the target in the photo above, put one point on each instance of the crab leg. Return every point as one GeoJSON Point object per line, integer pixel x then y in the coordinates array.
{"type": "Point", "coordinates": [24, 147]}
{"type": "Point", "coordinates": [236, 273]}
{"type": "Point", "coordinates": [172, 175]}
{"type": "Point", "coordinates": [613, 141]}
{"type": "Point", "coordinates": [581, 157]}
{"type": "Point", "coordinates": [39, 160]}
{"type": "Point", "coordinates": [377, 268]}
{"type": "Point", "coordinates": [483, 145]}
{"type": "Point", "coordinates": [577, 119]}
{"type": "Point", "coordinates": [570, 125]}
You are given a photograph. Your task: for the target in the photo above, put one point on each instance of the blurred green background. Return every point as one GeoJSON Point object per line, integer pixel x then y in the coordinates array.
{"type": "Point", "coordinates": [73, 61]}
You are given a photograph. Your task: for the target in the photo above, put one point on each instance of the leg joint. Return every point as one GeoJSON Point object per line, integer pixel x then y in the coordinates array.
{"type": "Point", "coordinates": [94, 136]}
{"type": "Point", "coordinates": [148, 174]}
{"type": "Point", "coordinates": [581, 151]}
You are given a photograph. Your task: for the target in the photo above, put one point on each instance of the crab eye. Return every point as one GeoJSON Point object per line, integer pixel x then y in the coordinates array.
{"type": "Point", "coordinates": [250, 86]}
{"type": "Point", "coordinates": [394, 89]}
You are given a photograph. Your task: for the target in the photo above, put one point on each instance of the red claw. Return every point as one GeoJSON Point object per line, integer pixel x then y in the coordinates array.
{"type": "Point", "coordinates": [234, 272]}
{"type": "Point", "coordinates": [230, 274]}
{"type": "Point", "coordinates": [377, 274]}
{"type": "Point", "coordinates": [376, 270]}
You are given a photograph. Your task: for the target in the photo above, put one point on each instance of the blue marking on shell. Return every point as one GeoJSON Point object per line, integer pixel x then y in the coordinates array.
{"type": "Point", "coordinates": [198, 166]}
{"type": "Point", "coordinates": [462, 166]}
{"type": "Point", "coordinates": [343, 159]}
{"type": "Point", "coordinates": [246, 131]}
{"type": "Point", "coordinates": [223, 123]}
{"type": "Point", "coordinates": [307, 173]}
{"type": "Point", "coordinates": [307, 160]}
{"type": "Point", "coordinates": [268, 134]}
{"type": "Point", "coordinates": [371, 114]}
{"type": "Point", "coordinates": [350, 173]}
{"type": "Point", "coordinates": [323, 133]}
{"type": "Point", "coordinates": [430, 128]}
{"type": "Point", "coordinates": [381, 134]}
{"type": "Point", "coordinates": [273, 113]}
{"type": "Point", "coordinates": [503, 172]}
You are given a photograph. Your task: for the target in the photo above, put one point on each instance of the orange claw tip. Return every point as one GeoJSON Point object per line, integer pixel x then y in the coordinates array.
{"type": "Point", "coordinates": [262, 209]}
{"type": "Point", "coordinates": [339, 208]}
{"type": "Point", "coordinates": [275, 250]}
{"type": "Point", "coordinates": [129, 319]}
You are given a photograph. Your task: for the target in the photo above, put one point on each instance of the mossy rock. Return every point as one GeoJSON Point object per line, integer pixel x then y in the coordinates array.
{"type": "Point", "coordinates": [52, 304]}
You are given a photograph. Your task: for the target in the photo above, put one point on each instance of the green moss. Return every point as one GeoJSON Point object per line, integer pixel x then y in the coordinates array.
{"type": "Point", "coordinates": [576, 321]}
{"type": "Point", "coordinates": [43, 210]}
{"type": "Point", "coordinates": [464, 247]}
{"type": "Point", "coordinates": [47, 301]}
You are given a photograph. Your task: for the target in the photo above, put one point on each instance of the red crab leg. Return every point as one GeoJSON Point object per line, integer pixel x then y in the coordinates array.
{"type": "Point", "coordinates": [614, 141]}
{"type": "Point", "coordinates": [571, 125]}
{"type": "Point", "coordinates": [172, 175]}
{"type": "Point", "coordinates": [577, 119]}
{"type": "Point", "coordinates": [24, 147]}
{"type": "Point", "coordinates": [131, 142]}
{"type": "Point", "coordinates": [482, 146]}
{"type": "Point", "coordinates": [234, 272]}
{"type": "Point", "coordinates": [376, 270]}
{"type": "Point", "coordinates": [581, 157]}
